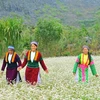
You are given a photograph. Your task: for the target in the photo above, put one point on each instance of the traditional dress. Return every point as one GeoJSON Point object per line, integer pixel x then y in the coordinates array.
{"type": "Point", "coordinates": [32, 60]}
{"type": "Point", "coordinates": [12, 61]}
{"type": "Point", "coordinates": [81, 67]}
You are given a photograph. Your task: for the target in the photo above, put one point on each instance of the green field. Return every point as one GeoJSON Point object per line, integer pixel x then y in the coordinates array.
{"type": "Point", "coordinates": [59, 84]}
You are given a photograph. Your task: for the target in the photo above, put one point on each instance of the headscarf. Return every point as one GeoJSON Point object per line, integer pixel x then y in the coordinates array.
{"type": "Point", "coordinates": [35, 43]}
{"type": "Point", "coordinates": [85, 46]}
{"type": "Point", "coordinates": [11, 47]}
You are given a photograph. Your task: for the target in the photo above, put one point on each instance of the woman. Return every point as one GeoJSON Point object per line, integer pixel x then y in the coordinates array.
{"type": "Point", "coordinates": [12, 61]}
{"type": "Point", "coordinates": [32, 59]}
{"type": "Point", "coordinates": [82, 64]}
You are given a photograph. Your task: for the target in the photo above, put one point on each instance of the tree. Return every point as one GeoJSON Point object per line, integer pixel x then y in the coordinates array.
{"type": "Point", "coordinates": [10, 32]}
{"type": "Point", "coordinates": [48, 31]}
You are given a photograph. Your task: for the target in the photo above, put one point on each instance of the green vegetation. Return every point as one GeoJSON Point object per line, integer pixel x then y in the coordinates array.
{"type": "Point", "coordinates": [10, 32]}
{"type": "Point", "coordinates": [60, 27]}
{"type": "Point", "coordinates": [55, 39]}
{"type": "Point", "coordinates": [47, 33]}
{"type": "Point", "coordinates": [70, 12]}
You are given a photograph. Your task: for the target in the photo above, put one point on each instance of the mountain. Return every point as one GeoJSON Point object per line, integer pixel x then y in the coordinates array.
{"type": "Point", "coordinates": [70, 12]}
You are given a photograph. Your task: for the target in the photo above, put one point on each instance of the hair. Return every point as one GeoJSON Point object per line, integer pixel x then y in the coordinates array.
{"type": "Point", "coordinates": [34, 44]}
{"type": "Point", "coordinates": [89, 56]}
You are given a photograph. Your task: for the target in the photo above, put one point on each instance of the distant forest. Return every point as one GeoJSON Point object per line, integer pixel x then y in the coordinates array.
{"type": "Point", "coordinates": [70, 12]}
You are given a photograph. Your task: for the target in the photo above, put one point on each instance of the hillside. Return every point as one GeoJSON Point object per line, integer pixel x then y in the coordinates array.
{"type": "Point", "coordinates": [70, 12]}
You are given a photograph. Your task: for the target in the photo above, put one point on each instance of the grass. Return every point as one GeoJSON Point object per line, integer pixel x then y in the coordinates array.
{"type": "Point", "coordinates": [59, 84]}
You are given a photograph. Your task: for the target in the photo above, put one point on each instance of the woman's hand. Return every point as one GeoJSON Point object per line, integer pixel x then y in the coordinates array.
{"type": "Point", "coordinates": [1, 73]}
{"type": "Point", "coordinates": [74, 74]}
{"type": "Point", "coordinates": [19, 68]}
{"type": "Point", "coordinates": [96, 75]}
{"type": "Point", "coordinates": [46, 71]}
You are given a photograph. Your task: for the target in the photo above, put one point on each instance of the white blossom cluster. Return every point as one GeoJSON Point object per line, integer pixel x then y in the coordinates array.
{"type": "Point", "coordinates": [58, 84]}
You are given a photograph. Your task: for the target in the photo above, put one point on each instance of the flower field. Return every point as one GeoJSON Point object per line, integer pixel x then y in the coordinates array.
{"type": "Point", "coordinates": [58, 84]}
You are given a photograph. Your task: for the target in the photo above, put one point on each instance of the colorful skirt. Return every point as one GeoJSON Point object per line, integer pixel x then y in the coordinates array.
{"type": "Point", "coordinates": [13, 76]}
{"type": "Point", "coordinates": [82, 73]}
{"type": "Point", "coordinates": [31, 75]}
